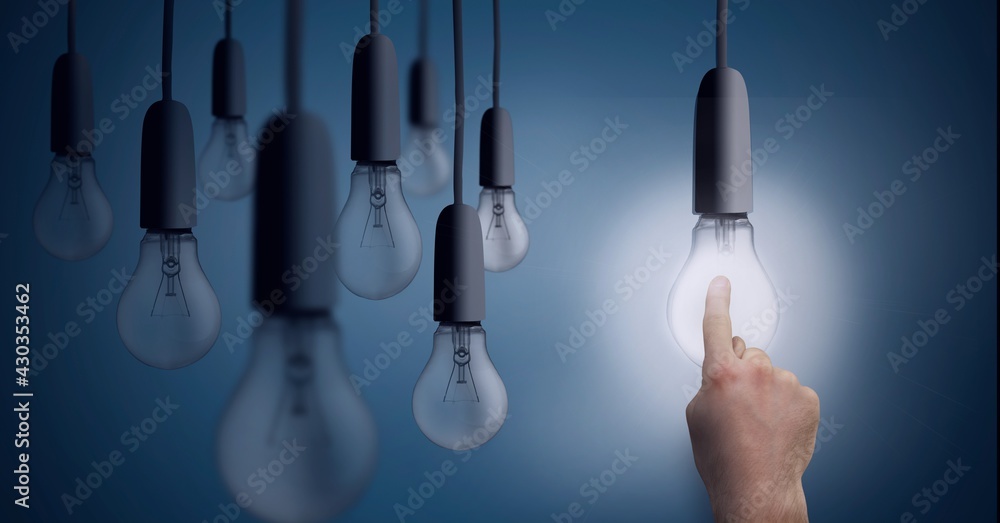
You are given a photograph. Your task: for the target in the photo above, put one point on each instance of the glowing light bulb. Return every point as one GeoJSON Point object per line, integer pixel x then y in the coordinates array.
{"type": "Point", "coordinates": [459, 401]}
{"type": "Point", "coordinates": [296, 406]}
{"type": "Point", "coordinates": [505, 237]}
{"type": "Point", "coordinates": [168, 315]}
{"type": "Point", "coordinates": [426, 166]}
{"type": "Point", "coordinates": [378, 239]}
{"type": "Point", "coordinates": [73, 218]}
{"type": "Point", "coordinates": [722, 244]}
{"type": "Point", "coordinates": [223, 172]}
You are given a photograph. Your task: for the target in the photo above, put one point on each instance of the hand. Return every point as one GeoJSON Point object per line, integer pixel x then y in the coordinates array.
{"type": "Point", "coordinates": [753, 426]}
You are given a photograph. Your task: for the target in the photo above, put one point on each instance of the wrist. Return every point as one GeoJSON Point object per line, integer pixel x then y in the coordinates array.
{"type": "Point", "coordinates": [765, 501]}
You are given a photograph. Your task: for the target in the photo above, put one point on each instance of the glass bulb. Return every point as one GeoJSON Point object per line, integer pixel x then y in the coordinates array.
{"type": "Point", "coordinates": [459, 401]}
{"type": "Point", "coordinates": [505, 237]}
{"type": "Point", "coordinates": [168, 315]}
{"type": "Point", "coordinates": [378, 239]}
{"type": "Point", "coordinates": [296, 437]}
{"type": "Point", "coordinates": [73, 218]}
{"type": "Point", "coordinates": [427, 165]}
{"type": "Point", "coordinates": [722, 244]}
{"type": "Point", "coordinates": [223, 172]}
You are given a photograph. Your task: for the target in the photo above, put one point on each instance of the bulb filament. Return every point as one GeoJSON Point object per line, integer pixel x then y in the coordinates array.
{"type": "Point", "coordinates": [498, 225]}
{"type": "Point", "coordinates": [725, 236]}
{"type": "Point", "coordinates": [73, 201]}
{"type": "Point", "coordinates": [299, 386]}
{"type": "Point", "coordinates": [461, 384]}
{"type": "Point", "coordinates": [170, 299]}
{"type": "Point", "coordinates": [377, 233]}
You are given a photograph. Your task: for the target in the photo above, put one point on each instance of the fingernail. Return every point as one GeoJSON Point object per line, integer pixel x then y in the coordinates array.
{"type": "Point", "coordinates": [720, 281]}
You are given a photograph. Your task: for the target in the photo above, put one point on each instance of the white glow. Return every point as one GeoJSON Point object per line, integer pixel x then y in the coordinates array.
{"type": "Point", "coordinates": [723, 245]}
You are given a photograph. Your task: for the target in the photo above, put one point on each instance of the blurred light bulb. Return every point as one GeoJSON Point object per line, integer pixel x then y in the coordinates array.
{"type": "Point", "coordinates": [378, 239]}
{"type": "Point", "coordinates": [168, 315]}
{"type": "Point", "coordinates": [505, 237]}
{"type": "Point", "coordinates": [427, 162]}
{"type": "Point", "coordinates": [722, 244]}
{"type": "Point", "coordinates": [459, 401]}
{"type": "Point", "coordinates": [296, 415]}
{"type": "Point", "coordinates": [73, 218]}
{"type": "Point", "coordinates": [223, 172]}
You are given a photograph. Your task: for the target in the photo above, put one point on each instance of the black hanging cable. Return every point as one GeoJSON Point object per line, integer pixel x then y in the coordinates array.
{"type": "Point", "coordinates": [424, 21]}
{"type": "Point", "coordinates": [374, 16]}
{"type": "Point", "coordinates": [459, 99]}
{"type": "Point", "coordinates": [293, 58]}
{"type": "Point", "coordinates": [496, 53]}
{"type": "Point", "coordinates": [71, 28]}
{"type": "Point", "coordinates": [168, 44]}
{"type": "Point", "coordinates": [229, 19]}
{"type": "Point", "coordinates": [720, 40]}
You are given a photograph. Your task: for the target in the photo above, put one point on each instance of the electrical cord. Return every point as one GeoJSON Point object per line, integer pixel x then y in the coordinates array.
{"type": "Point", "coordinates": [459, 100]}
{"type": "Point", "coordinates": [229, 19]}
{"type": "Point", "coordinates": [496, 53]}
{"type": "Point", "coordinates": [720, 40]}
{"type": "Point", "coordinates": [293, 48]}
{"type": "Point", "coordinates": [71, 28]}
{"type": "Point", "coordinates": [168, 44]}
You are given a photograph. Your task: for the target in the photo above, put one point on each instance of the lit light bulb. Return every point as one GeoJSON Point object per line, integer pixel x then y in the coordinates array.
{"type": "Point", "coordinates": [722, 244]}
{"type": "Point", "coordinates": [459, 401]}
{"type": "Point", "coordinates": [73, 218]}
{"type": "Point", "coordinates": [168, 315]}
{"type": "Point", "coordinates": [223, 172]}
{"type": "Point", "coordinates": [505, 237]}
{"type": "Point", "coordinates": [296, 406]}
{"type": "Point", "coordinates": [426, 166]}
{"type": "Point", "coordinates": [377, 236]}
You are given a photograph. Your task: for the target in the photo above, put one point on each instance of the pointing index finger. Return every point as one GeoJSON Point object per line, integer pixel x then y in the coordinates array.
{"type": "Point", "coordinates": [717, 326]}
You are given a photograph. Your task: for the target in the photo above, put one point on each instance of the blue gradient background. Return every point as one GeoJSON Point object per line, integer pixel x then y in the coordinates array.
{"type": "Point", "coordinates": [627, 386]}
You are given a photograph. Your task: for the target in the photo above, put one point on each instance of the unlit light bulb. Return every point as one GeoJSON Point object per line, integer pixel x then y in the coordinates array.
{"type": "Point", "coordinates": [296, 406]}
{"type": "Point", "coordinates": [168, 315]}
{"type": "Point", "coordinates": [426, 166]}
{"type": "Point", "coordinates": [505, 237]}
{"type": "Point", "coordinates": [223, 172]}
{"type": "Point", "coordinates": [377, 236]}
{"type": "Point", "coordinates": [722, 244]}
{"type": "Point", "coordinates": [73, 218]}
{"type": "Point", "coordinates": [459, 401]}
